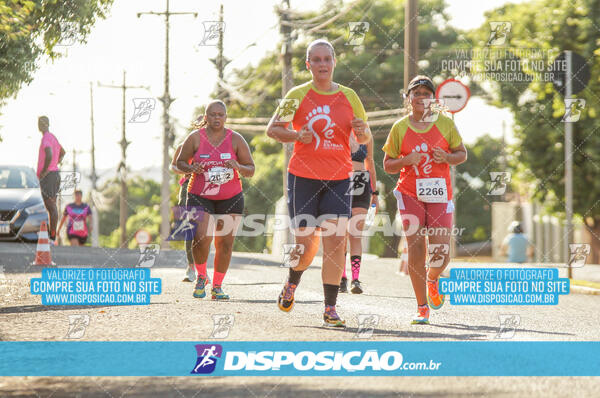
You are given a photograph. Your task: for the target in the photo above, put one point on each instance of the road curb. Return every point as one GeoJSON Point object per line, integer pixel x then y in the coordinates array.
{"type": "Point", "coordinates": [584, 290]}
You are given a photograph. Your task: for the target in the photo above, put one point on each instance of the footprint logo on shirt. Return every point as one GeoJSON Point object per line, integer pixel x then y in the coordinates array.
{"type": "Point", "coordinates": [325, 128]}
{"type": "Point", "coordinates": [426, 166]}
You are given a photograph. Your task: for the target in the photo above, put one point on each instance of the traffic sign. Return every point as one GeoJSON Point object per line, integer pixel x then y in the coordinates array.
{"type": "Point", "coordinates": [142, 237]}
{"type": "Point", "coordinates": [454, 94]}
{"type": "Point", "coordinates": [580, 70]}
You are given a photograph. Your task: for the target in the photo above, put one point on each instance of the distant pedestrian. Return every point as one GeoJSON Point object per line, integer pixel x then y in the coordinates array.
{"type": "Point", "coordinates": [50, 155]}
{"type": "Point", "coordinates": [516, 244]}
{"type": "Point", "coordinates": [79, 220]}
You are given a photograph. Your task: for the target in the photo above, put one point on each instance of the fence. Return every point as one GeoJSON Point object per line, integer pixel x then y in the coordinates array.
{"type": "Point", "coordinates": [547, 233]}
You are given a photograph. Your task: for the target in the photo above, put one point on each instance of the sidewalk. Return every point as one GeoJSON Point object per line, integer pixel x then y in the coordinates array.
{"type": "Point", "coordinates": [584, 280]}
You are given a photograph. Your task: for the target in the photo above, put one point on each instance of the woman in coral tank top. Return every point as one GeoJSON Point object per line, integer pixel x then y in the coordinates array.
{"type": "Point", "coordinates": [421, 147]}
{"type": "Point", "coordinates": [215, 156]}
{"type": "Point", "coordinates": [323, 115]}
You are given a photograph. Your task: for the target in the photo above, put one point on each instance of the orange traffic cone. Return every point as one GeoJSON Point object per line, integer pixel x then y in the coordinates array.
{"type": "Point", "coordinates": [42, 253]}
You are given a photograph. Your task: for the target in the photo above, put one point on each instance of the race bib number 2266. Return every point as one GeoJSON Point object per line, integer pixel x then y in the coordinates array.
{"type": "Point", "coordinates": [432, 190]}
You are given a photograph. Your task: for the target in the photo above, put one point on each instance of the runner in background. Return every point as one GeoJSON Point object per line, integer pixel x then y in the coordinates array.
{"type": "Point", "coordinates": [190, 273]}
{"type": "Point", "coordinates": [79, 220]}
{"type": "Point", "coordinates": [365, 184]}
{"type": "Point", "coordinates": [422, 150]}
{"type": "Point", "coordinates": [323, 114]}
{"type": "Point", "coordinates": [50, 155]}
{"type": "Point", "coordinates": [215, 156]}
{"type": "Point", "coordinates": [516, 245]}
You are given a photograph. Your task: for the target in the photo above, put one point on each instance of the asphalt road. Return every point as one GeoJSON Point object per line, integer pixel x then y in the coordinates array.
{"type": "Point", "coordinates": [254, 282]}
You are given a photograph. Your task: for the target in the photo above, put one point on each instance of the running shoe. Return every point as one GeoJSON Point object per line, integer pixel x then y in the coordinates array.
{"type": "Point", "coordinates": [344, 285]}
{"type": "Point", "coordinates": [356, 287]}
{"type": "Point", "coordinates": [200, 289]}
{"type": "Point", "coordinates": [331, 318]}
{"type": "Point", "coordinates": [190, 275]}
{"type": "Point", "coordinates": [285, 301]}
{"type": "Point", "coordinates": [434, 298]}
{"type": "Point", "coordinates": [218, 294]}
{"type": "Point", "coordinates": [422, 317]}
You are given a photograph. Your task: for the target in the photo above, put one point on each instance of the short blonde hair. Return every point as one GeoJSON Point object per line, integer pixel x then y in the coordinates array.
{"type": "Point", "coordinates": [319, 42]}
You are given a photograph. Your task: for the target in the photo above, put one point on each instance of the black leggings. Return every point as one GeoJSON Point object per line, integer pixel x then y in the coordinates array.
{"type": "Point", "coordinates": [182, 201]}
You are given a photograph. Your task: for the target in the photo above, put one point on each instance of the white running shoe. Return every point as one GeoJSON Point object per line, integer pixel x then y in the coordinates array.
{"type": "Point", "coordinates": [190, 275]}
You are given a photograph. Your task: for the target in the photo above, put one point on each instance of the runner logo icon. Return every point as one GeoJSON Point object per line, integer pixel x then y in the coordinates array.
{"type": "Point", "coordinates": [437, 254]}
{"type": "Point", "coordinates": [578, 253]}
{"type": "Point", "coordinates": [207, 358]}
{"type": "Point", "coordinates": [499, 33]}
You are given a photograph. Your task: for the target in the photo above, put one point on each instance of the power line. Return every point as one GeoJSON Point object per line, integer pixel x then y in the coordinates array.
{"type": "Point", "coordinates": [334, 18]}
{"type": "Point", "coordinates": [253, 120]}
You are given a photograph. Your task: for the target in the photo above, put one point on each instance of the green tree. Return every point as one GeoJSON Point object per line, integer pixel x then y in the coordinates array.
{"type": "Point", "coordinates": [473, 205]}
{"type": "Point", "coordinates": [146, 217]}
{"type": "Point", "coordinates": [143, 196]}
{"type": "Point", "coordinates": [554, 25]}
{"type": "Point", "coordinates": [263, 190]}
{"type": "Point", "coordinates": [29, 29]}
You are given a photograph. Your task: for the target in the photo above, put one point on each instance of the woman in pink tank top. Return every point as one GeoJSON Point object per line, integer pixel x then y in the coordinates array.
{"type": "Point", "coordinates": [215, 156]}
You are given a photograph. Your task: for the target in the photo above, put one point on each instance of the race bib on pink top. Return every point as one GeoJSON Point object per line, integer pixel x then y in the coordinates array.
{"type": "Point", "coordinates": [76, 219]}
{"type": "Point", "coordinates": [218, 182]}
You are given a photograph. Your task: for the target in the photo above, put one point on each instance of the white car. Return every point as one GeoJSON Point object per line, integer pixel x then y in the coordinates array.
{"type": "Point", "coordinates": [21, 207]}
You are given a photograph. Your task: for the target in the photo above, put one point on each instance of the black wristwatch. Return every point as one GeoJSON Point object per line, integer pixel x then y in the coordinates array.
{"type": "Point", "coordinates": [375, 193]}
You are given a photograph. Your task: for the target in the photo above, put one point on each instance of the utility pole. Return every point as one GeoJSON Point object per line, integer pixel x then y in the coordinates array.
{"type": "Point", "coordinates": [503, 164]}
{"type": "Point", "coordinates": [122, 169]}
{"type": "Point", "coordinates": [74, 160]}
{"type": "Point", "coordinates": [411, 57]}
{"type": "Point", "coordinates": [220, 61]}
{"type": "Point", "coordinates": [411, 41]}
{"type": "Point", "coordinates": [287, 75]}
{"type": "Point", "coordinates": [287, 82]}
{"type": "Point", "coordinates": [168, 136]}
{"type": "Point", "coordinates": [94, 176]}
{"type": "Point", "coordinates": [569, 163]}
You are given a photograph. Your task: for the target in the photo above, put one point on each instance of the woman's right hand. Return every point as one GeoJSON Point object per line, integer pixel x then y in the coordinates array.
{"type": "Point", "coordinates": [197, 168]}
{"type": "Point", "coordinates": [413, 159]}
{"type": "Point", "coordinates": [305, 135]}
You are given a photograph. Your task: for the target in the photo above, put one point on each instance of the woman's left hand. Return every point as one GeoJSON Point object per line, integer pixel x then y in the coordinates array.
{"type": "Point", "coordinates": [439, 155]}
{"type": "Point", "coordinates": [233, 164]}
{"type": "Point", "coordinates": [359, 126]}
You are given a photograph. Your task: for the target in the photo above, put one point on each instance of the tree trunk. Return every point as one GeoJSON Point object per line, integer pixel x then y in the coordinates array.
{"type": "Point", "coordinates": [391, 247]}
{"type": "Point", "coordinates": [594, 230]}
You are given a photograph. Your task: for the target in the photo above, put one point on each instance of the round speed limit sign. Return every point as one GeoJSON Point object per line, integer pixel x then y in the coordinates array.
{"type": "Point", "coordinates": [454, 95]}
{"type": "Point", "coordinates": [142, 237]}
